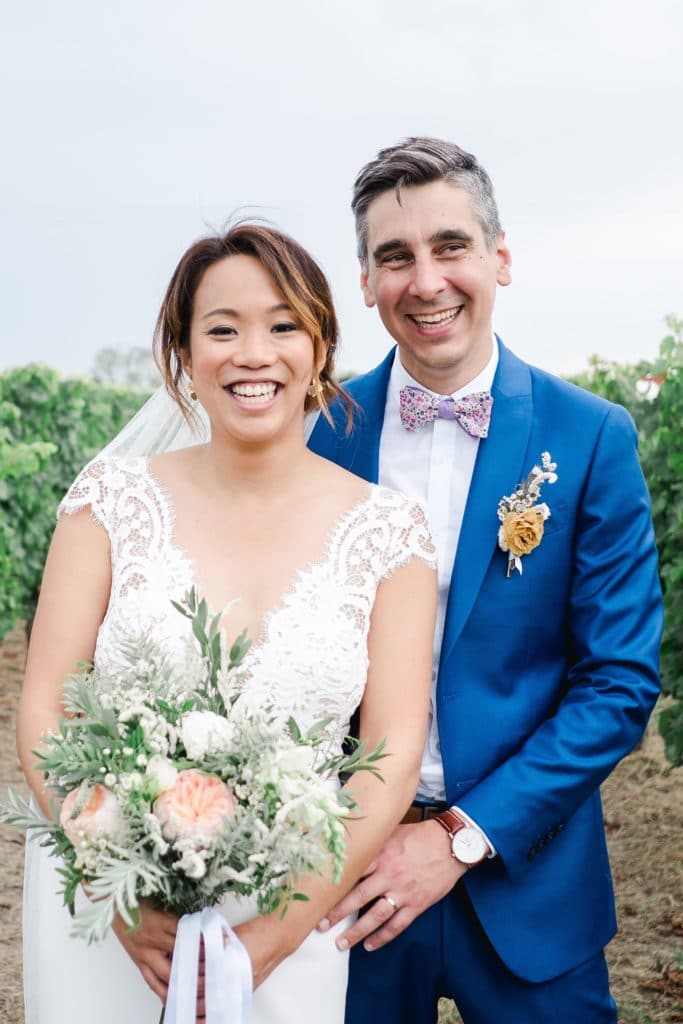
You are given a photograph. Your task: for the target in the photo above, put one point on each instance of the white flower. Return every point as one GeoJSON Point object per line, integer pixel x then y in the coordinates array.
{"type": "Point", "coordinates": [161, 772]}
{"type": "Point", "coordinates": [153, 826]}
{"type": "Point", "coordinates": [296, 760]}
{"type": "Point", "coordinates": [204, 732]}
{"type": "Point", "coordinates": [130, 781]}
{"type": "Point", "coordinates": [192, 864]}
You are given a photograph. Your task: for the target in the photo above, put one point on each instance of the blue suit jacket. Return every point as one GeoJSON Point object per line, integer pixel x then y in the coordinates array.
{"type": "Point", "coordinates": [546, 679]}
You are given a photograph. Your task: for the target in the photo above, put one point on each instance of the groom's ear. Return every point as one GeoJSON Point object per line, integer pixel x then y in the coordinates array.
{"type": "Point", "coordinates": [503, 261]}
{"type": "Point", "coordinates": [366, 287]}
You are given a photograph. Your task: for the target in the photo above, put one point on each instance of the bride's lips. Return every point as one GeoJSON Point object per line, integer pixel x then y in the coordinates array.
{"type": "Point", "coordinates": [253, 394]}
{"type": "Point", "coordinates": [430, 325]}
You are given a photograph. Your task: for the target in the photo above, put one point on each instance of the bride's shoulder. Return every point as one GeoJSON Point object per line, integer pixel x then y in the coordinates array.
{"type": "Point", "coordinates": [100, 480]}
{"type": "Point", "coordinates": [390, 498]}
{"type": "Point", "coordinates": [409, 531]}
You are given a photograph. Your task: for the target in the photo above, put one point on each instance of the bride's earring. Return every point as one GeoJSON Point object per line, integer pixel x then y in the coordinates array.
{"type": "Point", "coordinates": [190, 389]}
{"type": "Point", "coordinates": [316, 388]}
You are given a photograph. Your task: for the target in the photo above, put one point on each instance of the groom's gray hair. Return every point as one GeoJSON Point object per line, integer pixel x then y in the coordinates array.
{"type": "Point", "coordinates": [420, 160]}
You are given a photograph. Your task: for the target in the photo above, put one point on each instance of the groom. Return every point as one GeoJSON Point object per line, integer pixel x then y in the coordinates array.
{"type": "Point", "coordinates": [496, 890]}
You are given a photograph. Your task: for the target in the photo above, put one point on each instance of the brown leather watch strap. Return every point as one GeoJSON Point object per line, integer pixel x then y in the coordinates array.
{"type": "Point", "coordinates": [450, 821]}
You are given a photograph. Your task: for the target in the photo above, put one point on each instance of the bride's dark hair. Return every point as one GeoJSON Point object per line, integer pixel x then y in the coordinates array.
{"type": "Point", "coordinates": [295, 274]}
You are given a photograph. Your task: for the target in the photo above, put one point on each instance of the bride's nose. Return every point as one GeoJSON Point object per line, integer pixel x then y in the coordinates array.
{"type": "Point", "coordinates": [255, 349]}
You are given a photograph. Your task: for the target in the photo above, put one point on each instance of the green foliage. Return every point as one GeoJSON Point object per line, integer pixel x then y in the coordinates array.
{"type": "Point", "coordinates": [653, 394]}
{"type": "Point", "coordinates": [49, 428]}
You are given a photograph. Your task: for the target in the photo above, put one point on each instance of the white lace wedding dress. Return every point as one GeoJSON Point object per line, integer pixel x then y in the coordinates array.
{"type": "Point", "coordinates": [310, 662]}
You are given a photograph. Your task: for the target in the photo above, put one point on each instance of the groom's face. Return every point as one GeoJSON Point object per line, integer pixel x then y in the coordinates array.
{"type": "Point", "coordinates": [433, 279]}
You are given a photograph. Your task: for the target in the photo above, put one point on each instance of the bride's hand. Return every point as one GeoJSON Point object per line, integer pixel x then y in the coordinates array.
{"type": "Point", "coordinates": [150, 947]}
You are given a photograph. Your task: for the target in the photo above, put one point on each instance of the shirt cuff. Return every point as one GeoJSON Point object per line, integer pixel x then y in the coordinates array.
{"type": "Point", "coordinates": [473, 824]}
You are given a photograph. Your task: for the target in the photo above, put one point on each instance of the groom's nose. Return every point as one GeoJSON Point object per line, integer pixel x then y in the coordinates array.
{"type": "Point", "coordinates": [426, 279]}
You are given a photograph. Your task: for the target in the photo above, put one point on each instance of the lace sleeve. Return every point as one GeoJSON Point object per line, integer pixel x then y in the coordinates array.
{"type": "Point", "coordinates": [411, 536]}
{"type": "Point", "coordinates": [93, 488]}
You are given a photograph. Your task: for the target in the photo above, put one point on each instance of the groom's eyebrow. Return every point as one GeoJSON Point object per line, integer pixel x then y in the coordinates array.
{"type": "Point", "coordinates": [446, 235]}
{"type": "Point", "coordinates": [451, 235]}
{"type": "Point", "coordinates": [390, 246]}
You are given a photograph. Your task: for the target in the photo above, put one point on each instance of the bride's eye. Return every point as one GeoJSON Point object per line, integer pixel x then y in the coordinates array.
{"type": "Point", "coordinates": [222, 331]}
{"type": "Point", "coordinates": [284, 327]}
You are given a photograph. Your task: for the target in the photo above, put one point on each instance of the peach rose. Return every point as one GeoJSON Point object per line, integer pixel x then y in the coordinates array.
{"type": "Point", "coordinates": [100, 818]}
{"type": "Point", "coordinates": [521, 532]}
{"type": "Point", "coordinates": [198, 805]}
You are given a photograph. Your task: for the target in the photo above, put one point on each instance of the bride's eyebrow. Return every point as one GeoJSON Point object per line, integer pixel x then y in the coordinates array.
{"type": "Point", "coordinates": [224, 311]}
{"type": "Point", "coordinates": [281, 307]}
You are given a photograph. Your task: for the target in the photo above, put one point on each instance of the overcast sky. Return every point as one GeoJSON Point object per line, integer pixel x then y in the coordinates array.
{"type": "Point", "coordinates": [128, 128]}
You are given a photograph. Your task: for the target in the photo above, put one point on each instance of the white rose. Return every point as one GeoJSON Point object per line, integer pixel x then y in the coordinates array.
{"type": "Point", "coordinates": [297, 759]}
{"type": "Point", "coordinates": [161, 772]}
{"type": "Point", "coordinates": [204, 732]}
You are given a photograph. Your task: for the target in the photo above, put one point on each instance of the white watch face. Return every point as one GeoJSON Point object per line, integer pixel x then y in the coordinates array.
{"type": "Point", "coordinates": [469, 845]}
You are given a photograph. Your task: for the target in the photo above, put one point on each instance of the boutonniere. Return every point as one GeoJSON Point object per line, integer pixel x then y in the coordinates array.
{"type": "Point", "coordinates": [522, 515]}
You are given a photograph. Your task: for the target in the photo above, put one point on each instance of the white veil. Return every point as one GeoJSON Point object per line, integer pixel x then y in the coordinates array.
{"type": "Point", "coordinates": [159, 426]}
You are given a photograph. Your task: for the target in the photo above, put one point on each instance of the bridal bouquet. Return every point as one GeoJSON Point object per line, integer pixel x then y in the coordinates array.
{"type": "Point", "coordinates": [174, 788]}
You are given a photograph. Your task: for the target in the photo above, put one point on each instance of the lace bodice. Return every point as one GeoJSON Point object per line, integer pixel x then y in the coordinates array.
{"type": "Point", "coordinates": [312, 660]}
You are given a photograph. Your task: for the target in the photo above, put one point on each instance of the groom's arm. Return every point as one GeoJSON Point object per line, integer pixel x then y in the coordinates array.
{"type": "Point", "coordinates": [614, 630]}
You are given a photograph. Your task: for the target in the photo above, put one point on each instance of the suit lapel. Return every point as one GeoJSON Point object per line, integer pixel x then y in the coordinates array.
{"type": "Point", "coordinates": [358, 451]}
{"type": "Point", "coordinates": [498, 469]}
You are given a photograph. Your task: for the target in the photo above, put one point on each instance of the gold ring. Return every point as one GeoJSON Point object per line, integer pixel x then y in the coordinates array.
{"type": "Point", "coordinates": [391, 901]}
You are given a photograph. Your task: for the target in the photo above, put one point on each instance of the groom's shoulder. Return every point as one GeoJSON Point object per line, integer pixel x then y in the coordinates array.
{"type": "Point", "coordinates": [562, 398]}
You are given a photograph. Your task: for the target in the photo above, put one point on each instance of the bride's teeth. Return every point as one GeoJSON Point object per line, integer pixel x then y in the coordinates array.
{"type": "Point", "coordinates": [258, 392]}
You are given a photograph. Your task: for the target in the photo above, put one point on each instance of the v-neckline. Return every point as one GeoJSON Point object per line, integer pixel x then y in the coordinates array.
{"type": "Point", "coordinates": [299, 574]}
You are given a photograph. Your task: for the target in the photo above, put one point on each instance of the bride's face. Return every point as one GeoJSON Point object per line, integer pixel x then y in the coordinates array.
{"type": "Point", "coordinates": [251, 361]}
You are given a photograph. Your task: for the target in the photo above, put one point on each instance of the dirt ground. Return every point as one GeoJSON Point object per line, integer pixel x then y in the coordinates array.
{"type": "Point", "coordinates": [644, 818]}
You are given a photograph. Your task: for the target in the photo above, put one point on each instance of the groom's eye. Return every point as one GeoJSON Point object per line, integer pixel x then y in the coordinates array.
{"type": "Point", "coordinates": [395, 258]}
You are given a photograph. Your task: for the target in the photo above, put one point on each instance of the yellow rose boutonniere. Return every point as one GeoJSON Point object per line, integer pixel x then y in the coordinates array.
{"type": "Point", "coordinates": [522, 516]}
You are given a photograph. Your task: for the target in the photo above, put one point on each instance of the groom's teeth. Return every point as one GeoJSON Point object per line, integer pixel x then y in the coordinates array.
{"type": "Point", "coordinates": [260, 393]}
{"type": "Point", "coordinates": [437, 318]}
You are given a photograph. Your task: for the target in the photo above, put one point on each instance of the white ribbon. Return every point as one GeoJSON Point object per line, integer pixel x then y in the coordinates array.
{"type": "Point", "coordinates": [227, 972]}
{"type": "Point", "coordinates": [514, 562]}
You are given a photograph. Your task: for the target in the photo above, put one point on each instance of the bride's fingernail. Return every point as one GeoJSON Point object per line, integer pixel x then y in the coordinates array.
{"type": "Point", "coordinates": [342, 944]}
{"type": "Point", "coordinates": [324, 925]}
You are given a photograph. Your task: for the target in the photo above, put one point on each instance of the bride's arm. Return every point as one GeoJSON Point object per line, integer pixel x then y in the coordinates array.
{"type": "Point", "coordinates": [73, 599]}
{"type": "Point", "coordinates": [395, 707]}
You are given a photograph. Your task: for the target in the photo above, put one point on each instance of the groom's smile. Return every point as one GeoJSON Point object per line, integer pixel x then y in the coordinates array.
{"type": "Point", "coordinates": [434, 324]}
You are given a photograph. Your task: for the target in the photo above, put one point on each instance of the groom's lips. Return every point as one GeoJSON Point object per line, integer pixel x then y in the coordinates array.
{"type": "Point", "coordinates": [437, 322]}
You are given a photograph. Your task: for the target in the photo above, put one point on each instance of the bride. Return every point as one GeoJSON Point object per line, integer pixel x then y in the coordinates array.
{"type": "Point", "coordinates": [335, 584]}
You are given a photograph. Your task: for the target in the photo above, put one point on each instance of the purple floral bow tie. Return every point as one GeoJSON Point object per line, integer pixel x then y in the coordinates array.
{"type": "Point", "coordinates": [473, 412]}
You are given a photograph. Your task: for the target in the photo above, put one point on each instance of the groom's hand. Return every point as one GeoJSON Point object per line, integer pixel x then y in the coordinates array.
{"type": "Point", "coordinates": [415, 869]}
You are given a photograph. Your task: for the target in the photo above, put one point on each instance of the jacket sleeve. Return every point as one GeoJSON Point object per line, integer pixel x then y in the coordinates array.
{"type": "Point", "coordinates": [614, 623]}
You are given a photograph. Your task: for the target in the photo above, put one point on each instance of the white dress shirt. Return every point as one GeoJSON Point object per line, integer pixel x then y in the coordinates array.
{"type": "Point", "coordinates": [435, 465]}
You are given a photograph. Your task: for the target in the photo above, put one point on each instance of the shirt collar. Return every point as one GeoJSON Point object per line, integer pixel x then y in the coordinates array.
{"type": "Point", "coordinates": [400, 378]}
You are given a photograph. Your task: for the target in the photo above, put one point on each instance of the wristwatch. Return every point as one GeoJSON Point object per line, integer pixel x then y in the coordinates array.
{"type": "Point", "coordinates": [467, 843]}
